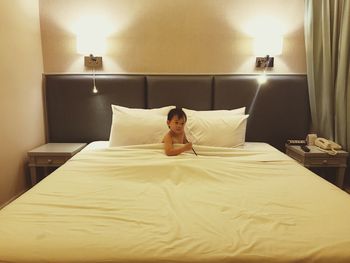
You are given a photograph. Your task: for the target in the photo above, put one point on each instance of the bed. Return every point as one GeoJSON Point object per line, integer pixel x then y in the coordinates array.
{"type": "Point", "coordinates": [132, 203]}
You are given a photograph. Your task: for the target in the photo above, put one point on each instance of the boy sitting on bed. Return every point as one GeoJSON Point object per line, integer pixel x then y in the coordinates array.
{"type": "Point", "coordinates": [176, 123]}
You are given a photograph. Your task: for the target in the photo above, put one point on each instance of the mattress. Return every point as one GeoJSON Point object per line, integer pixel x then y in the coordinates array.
{"type": "Point", "coordinates": [134, 204]}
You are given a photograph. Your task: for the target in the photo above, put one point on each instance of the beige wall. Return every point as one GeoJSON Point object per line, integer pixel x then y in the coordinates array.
{"type": "Point", "coordinates": [21, 110]}
{"type": "Point", "coordinates": [172, 36]}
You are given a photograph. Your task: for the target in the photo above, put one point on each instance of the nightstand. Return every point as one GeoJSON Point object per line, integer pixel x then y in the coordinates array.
{"type": "Point", "coordinates": [51, 155]}
{"type": "Point", "coordinates": [318, 158]}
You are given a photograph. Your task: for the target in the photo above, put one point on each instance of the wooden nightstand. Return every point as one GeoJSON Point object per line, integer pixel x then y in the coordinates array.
{"type": "Point", "coordinates": [51, 155]}
{"type": "Point", "coordinates": [318, 158]}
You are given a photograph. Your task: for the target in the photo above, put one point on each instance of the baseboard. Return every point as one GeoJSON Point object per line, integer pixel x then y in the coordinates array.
{"type": "Point", "coordinates": [12, 199]}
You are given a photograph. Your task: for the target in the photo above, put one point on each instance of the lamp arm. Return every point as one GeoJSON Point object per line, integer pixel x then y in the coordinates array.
{"type": "Point", "coordinates": [93, 58]}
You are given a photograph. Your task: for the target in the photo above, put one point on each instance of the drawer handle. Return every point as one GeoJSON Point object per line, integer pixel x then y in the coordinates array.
{"type": "Point", "coordinates": [324, 161]}
{"type": "Point", "coordinates": [49, 161]}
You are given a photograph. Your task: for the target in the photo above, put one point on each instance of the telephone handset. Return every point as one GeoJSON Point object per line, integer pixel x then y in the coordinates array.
{"type": "Point", "coordinates": [327, 146]}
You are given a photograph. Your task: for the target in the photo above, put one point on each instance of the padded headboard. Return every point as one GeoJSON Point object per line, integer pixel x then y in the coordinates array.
{"type": "Point", "coordinates": [279, 109]}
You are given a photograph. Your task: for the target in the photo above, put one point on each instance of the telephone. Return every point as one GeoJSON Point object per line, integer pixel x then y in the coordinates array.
{"type": "Point", "coordinates": [327, 146]}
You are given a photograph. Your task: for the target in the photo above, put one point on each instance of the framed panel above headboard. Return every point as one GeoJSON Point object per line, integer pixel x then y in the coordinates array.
{"type": "Point", "coordinates": [279, 109]}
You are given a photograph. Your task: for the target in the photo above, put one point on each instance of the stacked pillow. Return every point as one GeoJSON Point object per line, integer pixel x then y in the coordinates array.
{"type": "Point", "coordinates": [221, 128]}
{"type": "Point", "coordinates": [138, 126]}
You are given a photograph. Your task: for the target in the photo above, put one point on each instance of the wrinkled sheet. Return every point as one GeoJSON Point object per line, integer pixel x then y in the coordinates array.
{"type": "Point", "coordinates": [134, 204]}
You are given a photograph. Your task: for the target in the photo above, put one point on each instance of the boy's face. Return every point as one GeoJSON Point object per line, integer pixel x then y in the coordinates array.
{"type": "Point", "coordinates": [177, 125]}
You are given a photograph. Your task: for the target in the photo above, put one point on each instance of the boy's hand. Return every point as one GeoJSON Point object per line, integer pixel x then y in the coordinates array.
{"type": "Point", "coordinates": [188, 146]}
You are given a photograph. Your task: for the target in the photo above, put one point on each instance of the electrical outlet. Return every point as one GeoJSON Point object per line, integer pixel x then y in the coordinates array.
{"type": "Point", "coordinates": [264, 62]}
{"type": "Point", "coordinates": [93, 62]}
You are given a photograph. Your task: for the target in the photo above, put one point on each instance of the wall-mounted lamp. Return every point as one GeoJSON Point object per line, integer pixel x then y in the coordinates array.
{"type": "Point", "coordinates": [92, 61]}
{"type": "Point", "coordinates": [265, 47]}
{"type": "Point", "coordinates": [264, 62]}
{"type": "Point", "coordinates": [91, 44]}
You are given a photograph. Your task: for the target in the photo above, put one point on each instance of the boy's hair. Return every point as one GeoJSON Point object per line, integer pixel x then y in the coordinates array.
{"type": "Point", "coordinates": [177, 112]}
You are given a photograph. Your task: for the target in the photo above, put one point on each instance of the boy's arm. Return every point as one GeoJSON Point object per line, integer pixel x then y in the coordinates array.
{"type": "Point", "coordinates": [185, 139]}
{"type": "Point", "coordinates": [169, 148]}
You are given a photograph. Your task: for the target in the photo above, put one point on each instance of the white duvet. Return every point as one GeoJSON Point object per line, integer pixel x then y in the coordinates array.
{"type": "Point", "coordinates": [134, 204]}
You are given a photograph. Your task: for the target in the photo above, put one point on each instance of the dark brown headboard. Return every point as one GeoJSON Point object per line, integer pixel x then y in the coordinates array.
{"type": "Point", "coordinates": [279, 109]}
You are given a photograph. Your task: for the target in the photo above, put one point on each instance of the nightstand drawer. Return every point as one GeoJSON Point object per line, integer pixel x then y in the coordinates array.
{"type": "Point", "coordinates": [51, 155]}
{"type": "Point", "coordinates": [317, 158]}
{"type": "Point", "coordinates": [50, 160]}
{"type": "Point", "coordinates": [325, 161]}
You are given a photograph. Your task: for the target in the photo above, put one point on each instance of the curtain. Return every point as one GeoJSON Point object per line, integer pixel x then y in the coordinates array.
{"type": "Point", "coordinates": [327, 41]}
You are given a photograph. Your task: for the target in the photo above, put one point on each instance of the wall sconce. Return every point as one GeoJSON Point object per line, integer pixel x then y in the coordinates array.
{"type": "Point", "coordinates": [92, 61]}
{"type": "Point", "coordinates": [91, 44]}
{"type": "Point", "coordinates": [264, 62]}
{"type": "Point", "coordinates": [265, 47]}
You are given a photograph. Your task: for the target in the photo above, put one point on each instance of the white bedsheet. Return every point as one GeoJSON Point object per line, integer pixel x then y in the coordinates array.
{"type": "Point", "coordinates": [134, 204]}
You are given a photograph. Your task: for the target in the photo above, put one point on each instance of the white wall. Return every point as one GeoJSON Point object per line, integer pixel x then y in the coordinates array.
{"type": "Point", "coordinates": [172, 36]}
{"type": "Point", "coordinates": [21, 107]}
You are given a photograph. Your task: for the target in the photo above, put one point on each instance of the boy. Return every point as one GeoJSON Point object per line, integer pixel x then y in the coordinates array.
{"type": "Point", "coordinates": [176, 123]}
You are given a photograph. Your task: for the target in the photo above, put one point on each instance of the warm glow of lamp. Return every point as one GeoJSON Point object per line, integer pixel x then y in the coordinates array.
{"type": "Point", "coordinates": [91, 44]}
{"type": "Point", "coordinates": [92, 31]}
{"type": "Point", "coordinates": [268, 45]}
{"type": "Point", "coordinates": [262, 78]}
{"type": "Point", "coordinates": [265, 47]}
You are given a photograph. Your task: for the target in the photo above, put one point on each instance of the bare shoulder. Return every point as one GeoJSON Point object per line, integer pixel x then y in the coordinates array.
{"type": "Point", "coordinates": [167, 138]}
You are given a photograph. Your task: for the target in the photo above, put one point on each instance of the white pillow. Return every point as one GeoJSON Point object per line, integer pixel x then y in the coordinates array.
{"type": "Point", "coordinates": [135, 111]}
{"type": "Point", "coordinates": [215, 113]}
{"type": "Point", "coordinates": [138, 126]}
{"type": "Point", "coordinates": [223, 131]}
